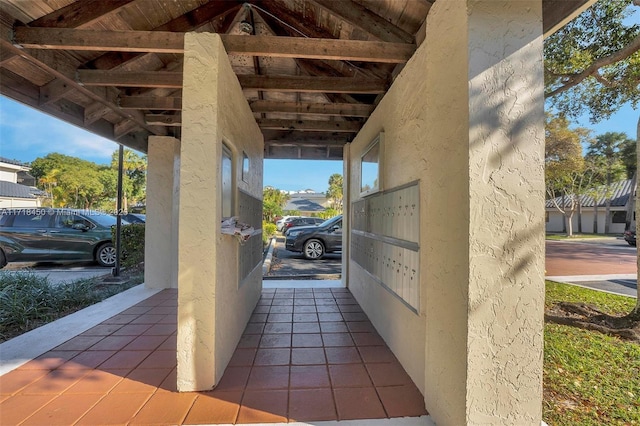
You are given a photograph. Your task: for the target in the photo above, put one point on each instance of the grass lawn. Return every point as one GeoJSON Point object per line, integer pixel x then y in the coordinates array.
{"type": "Point", "coordinates": [578, 236]}
{"type": "Point", "coordinates": [589, 378]}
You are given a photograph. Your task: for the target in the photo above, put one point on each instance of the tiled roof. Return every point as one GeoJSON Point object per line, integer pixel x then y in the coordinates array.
{"type": "Point", "coordinates": [14, 162]}
{"type": "Point", "coordinates": [15, 190]}
{"type": "Point", "coordinates": [303, 204]}
{"type": "Point", "coordinates": [620, 192]}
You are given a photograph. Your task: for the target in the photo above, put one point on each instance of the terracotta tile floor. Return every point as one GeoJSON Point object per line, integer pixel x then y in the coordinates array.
{"type": "Point", "coordinates": [307, 354]}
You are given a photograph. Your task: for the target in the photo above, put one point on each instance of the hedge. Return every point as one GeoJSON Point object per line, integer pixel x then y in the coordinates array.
{"type": "Point", "coordinates": [131, 244]}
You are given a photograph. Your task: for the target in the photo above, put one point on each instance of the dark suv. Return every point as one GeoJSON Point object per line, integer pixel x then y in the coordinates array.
{"type": "Point", "coordinates": [315, 241]}
{"type": "Point", "coordinates": [301, 221]}
{"type": "Point", "coordinates": [46, 235]}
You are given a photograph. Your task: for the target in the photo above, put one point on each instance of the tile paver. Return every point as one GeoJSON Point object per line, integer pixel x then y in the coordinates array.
{"type": "Point", "coordinates": [306, 355]}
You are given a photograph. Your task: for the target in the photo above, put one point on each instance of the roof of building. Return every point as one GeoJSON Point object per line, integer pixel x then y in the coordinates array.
{"type": "Point", "coordinates": [15, 190]}
{"type": "Point", "coordinates": [303, 203]}
{"type": "Point", "coordinates": [620, 192]}
{"type": "Point", "coordinates": [13, 162]}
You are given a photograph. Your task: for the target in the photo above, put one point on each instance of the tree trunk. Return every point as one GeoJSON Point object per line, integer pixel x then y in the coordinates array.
{"type": "Point", "coordinates": [631, 204]}
{"type": "Point", "coordinates": [579, 217]}
{"type": "Point", "coordinates": [607, 202]}
{"type": "Point", "coordinates": [564, 215]}
{"type": "Point", "coordinates": [595, 215]}
{"type": "Point", "coordinates": [636, 310]}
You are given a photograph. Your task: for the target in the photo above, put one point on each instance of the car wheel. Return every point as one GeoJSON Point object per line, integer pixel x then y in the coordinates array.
{"type": "Point", "coordinates": [3, 259]}
{"type": "Point", "coordinates": [313, 249]}
{"type": "Point", "coordinates": [106, 255]}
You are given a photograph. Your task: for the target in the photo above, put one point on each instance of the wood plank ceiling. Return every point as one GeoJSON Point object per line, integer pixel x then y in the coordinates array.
{"type": "Point", "coordinates": [312, 70]}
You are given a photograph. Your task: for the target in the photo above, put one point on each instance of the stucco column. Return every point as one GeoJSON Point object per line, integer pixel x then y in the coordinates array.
{"type": "Point", "coordinates": [215, 300]}
{"type": "Point", "coordinates": [161, 248]}
{"type": "Point", "coordinates": [507, 215]}
{"type": "Point", "coordinates": [485, 289]}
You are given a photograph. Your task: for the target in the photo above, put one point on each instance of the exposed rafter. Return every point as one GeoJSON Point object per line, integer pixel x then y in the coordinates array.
{"type": "Point", "coordinates": [329, 109]}
{"type": "Point", "coordinates": [361, 17]}
{"type": "Point", "coordinates": [169, 42]}
{"type": "Point", "coordinates": [311, 126]}
{"type": "Point", "coordinates": [173, 80]}
{"type": "Point", "coordinates": [80, 14]}
{"type": "Point", "coordinates": [259, 106]}
{"type": "Point", "coordinates": [47, 63]}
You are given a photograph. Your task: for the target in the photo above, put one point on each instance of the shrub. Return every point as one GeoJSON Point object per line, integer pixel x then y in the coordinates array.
{"type": "Point", "coordinates": [268, 231]}
{"type": "Point", "coordinates": [131, 244]}
{"type": "Point", "coordinates": [28, 301]}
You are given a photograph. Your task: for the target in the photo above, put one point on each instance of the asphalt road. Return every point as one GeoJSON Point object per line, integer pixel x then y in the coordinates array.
{"type": "Point", "coordinates": [286, 263]}
{"type": "Point", "coordinates": [607, 264]}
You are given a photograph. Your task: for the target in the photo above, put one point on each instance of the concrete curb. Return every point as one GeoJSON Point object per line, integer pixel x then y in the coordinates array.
{"type": "Point", "coordinates": [266, 265]}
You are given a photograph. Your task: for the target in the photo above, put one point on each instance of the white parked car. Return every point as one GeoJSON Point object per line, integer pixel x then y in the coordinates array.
{"type": "Point", "coordinates": [280, 223]}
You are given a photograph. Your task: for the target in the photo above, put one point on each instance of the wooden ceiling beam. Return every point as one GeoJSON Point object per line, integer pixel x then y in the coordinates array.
{"type": "Point", "coordinates": [173, 80]}
{"type": "Point", "coordinates": [54, 68]}
{"type": "Point", "coordinates": [169, 103]}
{"type": "Point", "coordinates": [220, 13]}
{"type": "Point", "coordinates": [53, 91]}
{"type": "Point", "coordinates": [258, 106]}
{"type": "Point", "coordinates": [312, 84]}
{"type": "Point", "coordinates": [99, 40]}
{"type": "Point", "coordinates": [80, 13]}
{"type": "Point", "coordinates": [311, 126]}
{"type": "Point", "coordinates": [315, 48]}
{"type": "Point", "coordinates": [288, 137]}
{"type": "Point", "coordinates": [361, 17]}
{"type": "Point", "coordinates": [153, 79]}
{"type": "Point", "coordinates": [328, 109]}
{"type": "Point", "coordinates": [169, 42]}
{"type": "Point", "coordinates": [172, 120]}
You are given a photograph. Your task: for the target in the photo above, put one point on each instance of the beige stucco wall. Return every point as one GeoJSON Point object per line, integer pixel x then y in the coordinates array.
{"type": "Point", "coordinates": [506, 234]}
{"type": "Point", "coordinates": [465, 118]}
{"type": "Point", "coordinates": [161, 248]}
{"type": "Point", "coordinates": [212, 308]}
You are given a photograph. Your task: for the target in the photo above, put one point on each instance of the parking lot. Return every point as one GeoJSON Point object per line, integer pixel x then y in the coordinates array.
{"type": "Point", "coordinates": [289, 264]}
{"type": "Point", "coordinates": [59, 272]}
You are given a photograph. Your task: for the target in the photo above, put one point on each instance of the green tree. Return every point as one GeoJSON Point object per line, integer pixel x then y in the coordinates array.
{"type": "Point", "coordinates": [593, 63]}
{"type": "Point", "coordinates": [134, 179]}
{"type": "Point", "coordinates": [334, 193]}
{"type": "Point", "coordinates": [605, 150]}
{"type": "Point", "coordinates": [74, 182]}
{"type": "Point", "coordinates": [565, 176]}
{"type": "Point", "coordinates": [628, 157]}
{"type": "Point", "coordinates": [273, 201]}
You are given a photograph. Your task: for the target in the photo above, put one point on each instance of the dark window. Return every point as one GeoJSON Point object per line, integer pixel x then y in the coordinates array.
{"type": "Point", "coordinates": [31, 221]}
{"type": "Point", "coordinates": [618, 217]}
{"type": "Point", "coordinates": [68, 220]}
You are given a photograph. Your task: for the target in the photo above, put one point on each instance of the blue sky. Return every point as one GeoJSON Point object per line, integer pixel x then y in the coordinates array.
{"type": "Point", "coordinates": [26, 134]}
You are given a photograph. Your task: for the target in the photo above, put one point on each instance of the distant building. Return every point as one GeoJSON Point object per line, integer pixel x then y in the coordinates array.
{"type": "Point", "coordinates": [307, 203]}
{"type": "Point", "coordinates": [620, 197]}
{"type": "Point", "coordinates": [17, 186]}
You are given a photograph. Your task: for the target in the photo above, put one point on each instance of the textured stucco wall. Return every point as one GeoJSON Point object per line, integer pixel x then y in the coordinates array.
{"type": "Point", "coordinates": [506, 229]}
{"type": "Point", "coordinates": [161, 246]}
{"type": "Point", "coordinates": [465, 118]}
{"type": "Point", "coordinates": [212, 310]}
